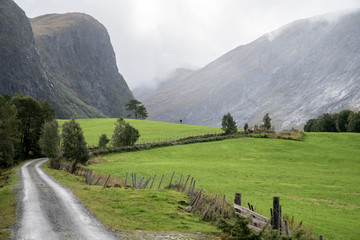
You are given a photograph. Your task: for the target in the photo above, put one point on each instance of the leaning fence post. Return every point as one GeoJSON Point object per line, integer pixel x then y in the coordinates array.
{"type": "Point", "coordinates": [223, 207]}
{"type": "Point", "coordinates": [171, 179]}
{"type": "Point", "coordinates": [276, 213]}
{"type": "Point", "coordinates": [178, 187]}
{"type": "Point", "coordinates": [152, 182]}
{"type": "Point", "coordinates": [287, 229]}
{"type": "Point", "coordinates": [320, 237]}
{"type": "Point", "coordinates": [161, 181]}
{"type": "Point", "coordinates": [185, 183]}
{"type": "Point", "coordinates": [107, 180]}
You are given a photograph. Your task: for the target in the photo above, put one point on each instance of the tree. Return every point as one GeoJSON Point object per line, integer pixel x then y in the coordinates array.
{"type": "Point", "coordinates": [118, 131]}
{"type": "Point", "coordinates": [8, 131]}
{"type": "Point", "coordinates": [142, 113]}
{"type": "Point", "coordinates": [124, 134]}
{"type": "Point", "coordinates": [49, 139]}
{"type": "Point", "coordinates": [73, 144]}
{"type": "Point", "coordinates": [130, 135]}
{"type": "Point", "coordinates": [228, 124]}
{"type": "Point", "coordinates": [246, 127]}
{"type": "Point", "coordinates": [138, 110]}
{"type": "Point", "coordinates": [354, 122]}
{"type": "Point", "coordinates": [31, 115]}
{"type": "Point", "coordinates": [341, 121]}
{"type": "Point", "coordinates": [266, 122]}
{"type": "Point", "coordinates": [103, 140]}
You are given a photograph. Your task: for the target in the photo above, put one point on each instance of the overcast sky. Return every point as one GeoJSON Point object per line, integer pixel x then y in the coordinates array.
{"type": "Point", "coordinates": [153, 37]}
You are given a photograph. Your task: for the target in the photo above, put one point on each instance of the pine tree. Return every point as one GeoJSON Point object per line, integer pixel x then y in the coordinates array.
{"type": "Point", "coordinates": [74, 146]}
{"type": "Point", "coordinates": [267, 122]}
{"type": "Point", "coordinates": [228, 124]}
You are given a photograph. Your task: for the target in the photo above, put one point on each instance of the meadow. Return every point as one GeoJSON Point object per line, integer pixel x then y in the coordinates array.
{"type": "Point", "coordinates": [317, 179]}
{"type": "Point", "coordinates": [149, 130]}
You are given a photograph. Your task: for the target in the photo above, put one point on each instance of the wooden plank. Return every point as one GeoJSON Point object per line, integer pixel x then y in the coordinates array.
{"type": "Point", "coordinates": [255, 221]}
{"type": "Point", "coordinates": [252, 213]}
{"type": "Point", "coordinates": [254, 228]}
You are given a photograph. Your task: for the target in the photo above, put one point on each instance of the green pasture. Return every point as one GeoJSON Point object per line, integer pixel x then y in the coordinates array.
{"type": "Point", "coordinates": [136, 211]}
{"type": "Point", "coordinates": [149, 130]}
{"type": "Point", "coordinates": [317, 179]}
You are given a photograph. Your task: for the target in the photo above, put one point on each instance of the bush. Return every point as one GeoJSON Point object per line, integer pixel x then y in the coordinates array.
{"type": "Point", "coordinates": [103, 141]}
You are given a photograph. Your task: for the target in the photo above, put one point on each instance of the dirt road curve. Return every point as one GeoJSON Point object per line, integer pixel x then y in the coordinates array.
{"type": "Point", "coordinates": [50, 211]}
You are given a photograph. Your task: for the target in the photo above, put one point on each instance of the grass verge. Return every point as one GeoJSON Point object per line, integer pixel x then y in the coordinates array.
{"type": "Point", "coordinates": [8, 181]}
{"type": "Point", "coordinates": [132, 210]}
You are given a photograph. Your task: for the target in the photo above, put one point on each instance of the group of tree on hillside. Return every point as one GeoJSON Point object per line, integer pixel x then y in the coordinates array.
{"type": "Point", "coordinates": [344, 121]}
{"type": "Point", "coordinates": [21, 121]}
{"type": "Point", "coordinates": [28, 129]}
{"type": "Point", "coordinates": [229, 125]}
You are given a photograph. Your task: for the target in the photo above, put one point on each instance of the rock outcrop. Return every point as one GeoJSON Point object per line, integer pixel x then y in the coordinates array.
{"type": "Point", "coordinates": [66, 59]}
{"type": "Point", "coordinates": [304, 69]}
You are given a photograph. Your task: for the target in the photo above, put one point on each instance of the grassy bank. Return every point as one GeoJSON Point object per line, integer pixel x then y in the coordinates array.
{"type": "Point", "coordinates": [8, 180]}
{"type": "Point", "coordinates": [149, 130]}
{"type": "Point", "coordinates": [132, 210]}
{"type": "Point", "coordinates": [317, 179]}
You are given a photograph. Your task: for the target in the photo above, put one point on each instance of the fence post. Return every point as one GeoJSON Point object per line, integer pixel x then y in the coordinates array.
{"type": "Point", "coordinates": [106, 181]}
{"type": "Point", "coordinates": [171, 179]}
{"type": "Point", "coordinates": [152, 182]}
{"type": "Point", "coordinates": [161, 181]}
{"type": "Point", "coordinates": [237, 200]}
{"type": "Point", "coordinates": [320, 237]}
{"type": "Point", "coordinates": [276, 213]}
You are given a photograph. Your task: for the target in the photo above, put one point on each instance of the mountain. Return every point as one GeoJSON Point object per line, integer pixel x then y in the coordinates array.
{"type": "Point", "coordinates": [20, 64]}
{"type": "Point", "coordinates": [66, 59]}
{"type": "Point", "coordinates": [297, 72]}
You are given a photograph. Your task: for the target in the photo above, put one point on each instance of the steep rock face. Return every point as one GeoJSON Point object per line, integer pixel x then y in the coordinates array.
{"type": "Point", "coordinates": [298, 72]}
{"type": "Point", "coordinates": [80, 57]}
{"type": "Point", "coordinates": [20, 65]}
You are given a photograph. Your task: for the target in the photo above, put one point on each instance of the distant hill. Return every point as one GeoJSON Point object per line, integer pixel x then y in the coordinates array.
{"type": "Point", "coordinates": [297, 72]}
{"type": "Point", "coordinates": [66, 59]}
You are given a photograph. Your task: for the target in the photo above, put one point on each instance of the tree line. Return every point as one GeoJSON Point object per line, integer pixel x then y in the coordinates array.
{"type": "Point", "coordinates": [28, 129]}
{"type": "Point", "coordinates": [344, 121]}
{"type": "Point", "coordinates": [229, 125]}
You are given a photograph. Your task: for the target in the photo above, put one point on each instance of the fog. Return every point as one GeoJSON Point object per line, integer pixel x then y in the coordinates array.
{"type": "Point", "coordinates": [151, 38]}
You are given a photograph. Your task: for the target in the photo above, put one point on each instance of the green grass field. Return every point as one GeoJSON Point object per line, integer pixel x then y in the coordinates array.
{"type": "Point", "coordinates": [149, 130]}
{"type": "Point", "coordinates": [317, 179]}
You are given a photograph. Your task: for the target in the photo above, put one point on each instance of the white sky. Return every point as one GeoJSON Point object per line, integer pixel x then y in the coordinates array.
{"type": "Point", "coordinates": [153, 37]}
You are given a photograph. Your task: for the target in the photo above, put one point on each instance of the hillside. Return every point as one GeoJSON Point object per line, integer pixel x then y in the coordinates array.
{"type": "Point", "coordinates": [297, 72]}
{"type": "Point", "coordinates": [66, 59]}
{"type": "Point", "coordinates": [79, 54]}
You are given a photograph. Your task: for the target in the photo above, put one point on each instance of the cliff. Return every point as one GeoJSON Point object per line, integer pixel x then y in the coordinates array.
{"type": "Point", "coordinates": [66, 59]}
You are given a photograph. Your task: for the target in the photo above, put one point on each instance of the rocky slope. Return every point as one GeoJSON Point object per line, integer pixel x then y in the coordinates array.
{"type": "Point", "coordinates": [66, 59]}
{"type": "Point", "coordinates": [297, 72]}
{"type": "Point", "coordinates": [20, 64]}
{"type": "Point", "coordinates": [79, 54]}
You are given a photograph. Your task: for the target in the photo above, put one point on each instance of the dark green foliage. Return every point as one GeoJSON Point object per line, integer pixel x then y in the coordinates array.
{"type": "Point", "coordinates": [142, 113]}
{"type": "Point", "coordinates": [31, 115]}
{"type": "Point", "coordinates": [137, 109]}
{"type": "Point", "coordinates": [266, 122]}
{"type": "Point", "coordinates": [103, 141]}
{"type": "Point", "coordinates": [8, 130]}
{"type": "Point", "coordinates": [246, 127]}
{"type": "Point", "coordinates": [73, 144]}
{"type": "Point", "coordinates": [354, 122]}
{"type": "Point", "coordinates": [49, 139]}
{"type": "Point", "coordinates": [124, 134]}
{"type": "Point", "coordinates": [228, 124]}
{"type": "Point", "coordinates": [344, 121]}
{"type": "Point", "coordinates": [327, 123]}
{"type": "Point", "coordinates": [130, 135]}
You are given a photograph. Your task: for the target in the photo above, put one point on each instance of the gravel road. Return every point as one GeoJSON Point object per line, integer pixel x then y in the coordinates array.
{"type": "Point", "coordinates": [50, 211]}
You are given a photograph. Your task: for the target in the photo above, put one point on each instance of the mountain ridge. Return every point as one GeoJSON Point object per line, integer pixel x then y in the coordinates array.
{"type": "Point", "coordinates": [66, 59]}
{"type": "Point", "coordinates": [278, 73]}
